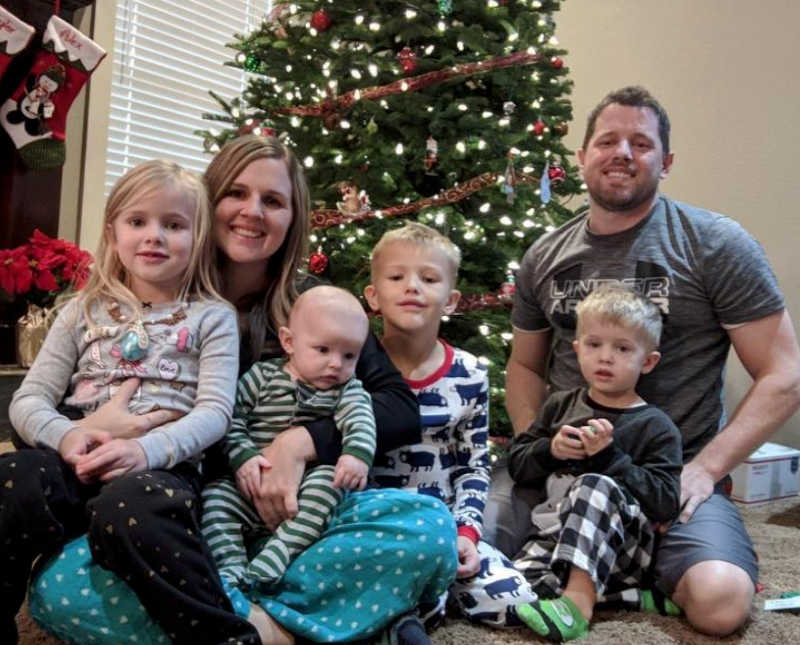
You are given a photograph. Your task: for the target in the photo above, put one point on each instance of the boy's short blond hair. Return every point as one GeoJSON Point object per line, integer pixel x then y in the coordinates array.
{"type": "Point", "coordinates": [618, 305]}
{"type": "Point", "coordinates": [421, 235]}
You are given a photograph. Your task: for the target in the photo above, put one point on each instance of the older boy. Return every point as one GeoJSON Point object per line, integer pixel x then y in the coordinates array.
{"type": "Point", "coordinates": [414, 270]}
{"type": "Point", "coordinates": [621, 459]}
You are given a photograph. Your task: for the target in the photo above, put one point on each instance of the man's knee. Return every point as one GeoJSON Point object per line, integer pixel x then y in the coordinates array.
{"type": "Point", "coordinates": [716, 597]}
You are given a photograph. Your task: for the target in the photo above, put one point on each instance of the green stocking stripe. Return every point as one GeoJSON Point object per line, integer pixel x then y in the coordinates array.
{"type": "Point", "coordinates": [656, 602]}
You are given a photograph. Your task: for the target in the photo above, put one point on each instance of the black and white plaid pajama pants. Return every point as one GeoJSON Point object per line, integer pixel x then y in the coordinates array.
{"type": "Point", "coordinates": [600, 530]}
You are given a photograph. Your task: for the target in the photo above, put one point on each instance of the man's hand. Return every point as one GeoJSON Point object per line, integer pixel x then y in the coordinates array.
{"type": "Point", "coordinates": [469, 562]}
{"type": "Point", "coordinates": [351, 473]}
{"type": "Point", "coordinates": [113, 416]}
{"type": "Point", "coordinates": [248, 477]}
{"type": "Point", "coordinates": [597, 435]}
{"type": "Point", "coordinates": [113, 459]}
{"type": "Point", "coordinates": [79, 442]}
{"type": "Point", "coordinates": [567, 443]}
{"type": "Point", "coordinates": [697, 485]}
{"type": "Point", "coordinates": [276, 498]}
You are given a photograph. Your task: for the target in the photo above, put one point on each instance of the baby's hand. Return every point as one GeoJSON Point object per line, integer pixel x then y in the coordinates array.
{"type": "Point", "coordinates": [248, 477]}
{"type": "Point", "coordinates": [567, 443]}
{"type": "Point", "coordinates": [597, 435]}
{"type": "Point", "coordinates": [351, 473]}
{"type": "Point", "coordinates": [469, 562]}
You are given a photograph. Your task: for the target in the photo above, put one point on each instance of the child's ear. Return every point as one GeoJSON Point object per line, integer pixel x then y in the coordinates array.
{"type": "Point", "coordinates": [650, 361]}
{"type": "Point", "coordinates": [285, 338]}
{"type": "Point", "coordinates": [452, 301]}
{"type": "Point", "coordinates": [371, 296]}
{"type": "Point", "coordinates": [575, 345]}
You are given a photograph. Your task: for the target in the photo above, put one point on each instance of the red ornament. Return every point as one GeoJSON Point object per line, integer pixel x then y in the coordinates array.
{"type": "Point", "coordinates": [556, 174]}
{"type": "Point", "coordinates": [538, 128]}
{"type": "Point", "coordinates": [321, 20]}
{"type": "Point", "coordinates": [508, 289]}
{"type": "Point", "coordinates": [408, 59]}
{"type": "Point", "coordinates": [318, 262]}
{"type": "Point", "coordinates": [558, 63]}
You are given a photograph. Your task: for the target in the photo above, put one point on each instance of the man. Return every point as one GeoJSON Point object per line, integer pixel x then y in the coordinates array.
{"type": "Point", "coordinates": [715, 289]}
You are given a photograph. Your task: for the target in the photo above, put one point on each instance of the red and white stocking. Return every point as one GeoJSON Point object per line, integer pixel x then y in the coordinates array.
{"type": "Point", "coordinates": [14, 37]}
{"type": "Point", "coordinates": [36, 113]}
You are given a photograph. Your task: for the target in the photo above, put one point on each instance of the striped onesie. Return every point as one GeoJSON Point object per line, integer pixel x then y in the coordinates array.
{"type": "Point", "coordinates": [268, 401]}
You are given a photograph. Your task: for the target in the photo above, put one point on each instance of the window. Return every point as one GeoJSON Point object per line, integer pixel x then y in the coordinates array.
{"type": "Point", "coordinates": [167, 55]}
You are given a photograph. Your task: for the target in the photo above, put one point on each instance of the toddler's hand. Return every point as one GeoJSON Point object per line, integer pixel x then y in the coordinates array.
{"type": "Point", "coordinates": [567, 443]}
{"type": "Point", "coordinates": [351, 473]}
{"type": "Point", "coordinates": [248, 477]}
{"type": "Point", "coordinates": [597, 435]}
{"type": "Point", "coordinates": [469, 562]}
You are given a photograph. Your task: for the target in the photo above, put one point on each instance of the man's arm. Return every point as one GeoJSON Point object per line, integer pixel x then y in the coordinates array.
{"type": "Point", "coordinates": [768, 349]}
{"type": "Point", "coordinates": [525, 372]}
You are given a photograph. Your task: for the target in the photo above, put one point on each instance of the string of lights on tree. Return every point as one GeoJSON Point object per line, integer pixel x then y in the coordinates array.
{"type": "Point", "coordinates": [450, 112]}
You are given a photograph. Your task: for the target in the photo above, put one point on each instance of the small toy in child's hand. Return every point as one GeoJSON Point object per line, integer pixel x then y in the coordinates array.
{"type": "Point", "coordinates": [589, 429]}
{"type": "Point", "coordinates": [788, 601]}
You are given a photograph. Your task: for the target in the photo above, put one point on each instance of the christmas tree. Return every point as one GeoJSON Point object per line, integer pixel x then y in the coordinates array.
{"type": "Point", "coordinates": [450, 112]}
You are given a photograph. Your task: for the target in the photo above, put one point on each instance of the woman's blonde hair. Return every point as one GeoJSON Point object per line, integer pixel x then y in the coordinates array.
{"type": "Point", "coordinates": [271, 311]}
{"type": "Point", "coordinates": [109, 278]}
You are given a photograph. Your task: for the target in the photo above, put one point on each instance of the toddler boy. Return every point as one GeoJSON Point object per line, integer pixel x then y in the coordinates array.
{"type": "Point", "coordinates": [615, 460]}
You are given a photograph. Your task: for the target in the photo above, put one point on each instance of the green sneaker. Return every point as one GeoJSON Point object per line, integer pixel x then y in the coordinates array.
{"type": "Point", "coordinates": [557, 620]}
{"type": "Point", "coordinates": [655, 602]}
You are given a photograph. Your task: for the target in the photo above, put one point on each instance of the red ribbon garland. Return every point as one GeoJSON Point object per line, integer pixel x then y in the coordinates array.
{"type": "Point", "coordinates": [327, 217]}
{"type": "Point", "coordinates": [410, 84]}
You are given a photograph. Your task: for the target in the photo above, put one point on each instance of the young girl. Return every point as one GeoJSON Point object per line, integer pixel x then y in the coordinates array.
{"type": "Point", "coordinates": [149, 310]}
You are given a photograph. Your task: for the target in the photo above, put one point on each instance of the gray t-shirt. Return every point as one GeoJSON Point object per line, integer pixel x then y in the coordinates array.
{"type": "Point", "coordinates": [703, 270]}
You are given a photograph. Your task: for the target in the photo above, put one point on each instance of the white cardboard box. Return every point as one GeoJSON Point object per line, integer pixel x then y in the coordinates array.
{"type": "Point", "coordinates": [771, 472]}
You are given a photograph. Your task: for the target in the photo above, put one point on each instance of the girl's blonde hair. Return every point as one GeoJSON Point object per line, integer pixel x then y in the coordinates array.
{"type": "Point", "coordinates": [271, 311]}
{"type": "Point", "coordinates": [109, 279]}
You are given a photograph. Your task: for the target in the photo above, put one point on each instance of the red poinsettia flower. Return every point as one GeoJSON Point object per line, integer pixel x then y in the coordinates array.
{"type": "Point", "coordinates": [43, 268]}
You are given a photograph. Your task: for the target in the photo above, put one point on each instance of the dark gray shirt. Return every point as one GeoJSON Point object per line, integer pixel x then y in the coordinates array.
{"type": "Point", "coordinates": [704, 271]}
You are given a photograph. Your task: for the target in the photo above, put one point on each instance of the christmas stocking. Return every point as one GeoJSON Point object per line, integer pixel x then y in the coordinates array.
{"type": "Point", "coordinates": [35, 116]}
{"type": "Point", "coordinates": [14, 37]}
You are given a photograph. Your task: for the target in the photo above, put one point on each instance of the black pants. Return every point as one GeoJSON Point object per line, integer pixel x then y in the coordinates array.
{"type": "Point", "coordinates": [144, 527]}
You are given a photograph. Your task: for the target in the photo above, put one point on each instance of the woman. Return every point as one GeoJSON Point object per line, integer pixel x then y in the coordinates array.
{"type": "Point", "coordinates": [261, 225]}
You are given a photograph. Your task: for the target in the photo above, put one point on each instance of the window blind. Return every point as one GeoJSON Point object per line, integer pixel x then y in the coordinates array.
{"type": "Point", "coordinates": [167, 55]}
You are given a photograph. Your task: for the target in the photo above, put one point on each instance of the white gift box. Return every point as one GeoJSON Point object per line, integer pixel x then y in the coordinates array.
{"type": "Point", "coordinates": [771, 472]}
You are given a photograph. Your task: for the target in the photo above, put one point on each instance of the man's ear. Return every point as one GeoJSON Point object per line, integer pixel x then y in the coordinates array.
{"type": "Point", "coordinates": [650, 361]}
{"type": "Point", "coordinates": [452, 301]}
{"type": "Point", "coordinates": [372, 297]}
{"type": "Point", "coordinates": [285, 338]}
{"type": "Point", "coordinates": [666, 164]}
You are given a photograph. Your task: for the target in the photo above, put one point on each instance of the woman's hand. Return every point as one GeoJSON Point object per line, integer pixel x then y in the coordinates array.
{"type": "Point", "coordinates": [113, 416]}
{"type": "Point", "coordinates": [567, 443]}
{"type": "Point", "coordinates": [110, 460]}
{"type": "Point", "coordinates": [248, 477]}
{"type": "Point", "coordinates": [77, 443]}
{"type": "Point", "coordinates": [469, 562]}
{"type": "Point", "coordinates": [287, 455]}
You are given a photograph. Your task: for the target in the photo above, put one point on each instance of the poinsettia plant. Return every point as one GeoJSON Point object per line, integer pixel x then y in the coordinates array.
{"type": "Point", "coordinates": [41, 269]}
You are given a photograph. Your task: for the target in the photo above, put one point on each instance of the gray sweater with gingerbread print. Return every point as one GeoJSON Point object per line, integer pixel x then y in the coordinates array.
{"type": "Point", "coordinates": [190, 365]}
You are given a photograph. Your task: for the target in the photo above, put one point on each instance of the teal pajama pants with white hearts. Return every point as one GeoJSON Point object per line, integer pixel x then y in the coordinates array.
{"type": "Point", "coordinates": [384, 552]}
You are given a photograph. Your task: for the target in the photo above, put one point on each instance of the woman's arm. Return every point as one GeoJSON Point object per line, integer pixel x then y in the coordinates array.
{"type": "Point", "coordinates": [208, 420]}
{"type": "Point", "coordinates": [395, 407]}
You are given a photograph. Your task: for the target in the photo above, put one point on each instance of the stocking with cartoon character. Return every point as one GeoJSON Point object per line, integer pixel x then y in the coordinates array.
{"type": "Point", "coordinates": [36, 113]}
{"type": "Point", "coordinates": [14, 37]}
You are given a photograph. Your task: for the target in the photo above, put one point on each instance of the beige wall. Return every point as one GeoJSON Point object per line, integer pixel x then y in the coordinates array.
{"type": "Point", "coordinates": [723, 70]}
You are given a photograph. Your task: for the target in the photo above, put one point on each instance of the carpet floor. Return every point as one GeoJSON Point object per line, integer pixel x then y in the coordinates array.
{"type": "Point", "coordinates": [775, 529]}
